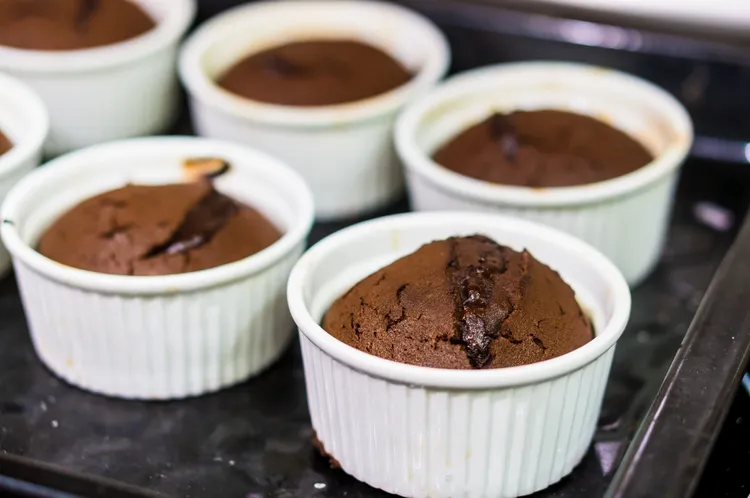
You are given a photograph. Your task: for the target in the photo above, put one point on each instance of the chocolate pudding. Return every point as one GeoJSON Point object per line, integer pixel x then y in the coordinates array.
{"type": "Point", "coordinates": [70, 24]}
{"type": "Point", "coordinates": [461, 303]}
{"type": "Point", "coordinates": [5, 144]}
{"type": "Point", "coordinates": [315, 73]}
{"type": "Point", "coordinates": [157, 230]}
{"type": "Point", "coordinates": [544, 148]}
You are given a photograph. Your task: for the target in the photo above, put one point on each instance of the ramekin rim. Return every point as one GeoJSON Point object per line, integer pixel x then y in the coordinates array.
{"type": "Point", "coordinates": [173, 27]}
{"type": "Point", "coordinates": [496, 194]}
{"type": "Point", "coordinates": [295, 235]}
{"type": "Point", "coordinates": [33, 143]}
{"type": "Point", "coordinates": [202, 88]}
{"type": "Point", "coordinates": [446, 378]}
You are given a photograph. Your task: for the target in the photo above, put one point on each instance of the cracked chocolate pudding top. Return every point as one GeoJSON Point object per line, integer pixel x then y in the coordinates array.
{"type": "Point", "coordinates": [5, 144]}
{"type": "Point", "coordinates": [544, 148]}
{"type": "Point", "coordinates": [315, 73]}
{"type": "Point", "coordinates": [461, 303]}
{"type": "Point", "coordinates": [70, 24]}
{"type": "Point", "coordinates": [157, 230]}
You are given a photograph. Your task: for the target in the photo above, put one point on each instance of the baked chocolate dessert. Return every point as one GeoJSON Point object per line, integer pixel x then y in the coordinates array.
{"type": "Point", "coordinates": [5, 144]}
{"type": "Point", "coordinates": [157, 230]}
{"type": "Point", "coordinates": [70, 24]}
{"type": "Point", "coordinates": [461, 303]}
{"type": "Point", "coordinates": [315, 73]}
{"type": "Point", "coordinates": [544, 148]}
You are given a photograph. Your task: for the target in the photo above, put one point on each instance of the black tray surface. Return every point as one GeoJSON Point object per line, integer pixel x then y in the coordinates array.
{"type": "Point", "coordinates": [253, 440]}
{"type": "Point", "coordinates": [677, 436]}
{"type": "Point", "coordinates": [725, 475]}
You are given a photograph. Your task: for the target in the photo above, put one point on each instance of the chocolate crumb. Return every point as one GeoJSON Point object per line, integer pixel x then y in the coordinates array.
{"type": "Point", "coordinates": [197, 168]}
{"type": "Point", "coordinates": [5, 144]}
{"type": "Point", "coordinates": [318, 444]}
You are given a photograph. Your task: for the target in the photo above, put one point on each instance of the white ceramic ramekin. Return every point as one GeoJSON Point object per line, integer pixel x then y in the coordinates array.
{"type": "Point", "coordinates": [626, 217]}
{"type": "Point", "coordinates": [24, 120]}
{"type": "Point", "coordinates": [344, 152]}
{"type": "Point", "coordinates": [105, 93]}
{"type": "Point", "coordinates": [424, 432]}
{"type": "Point", "coordinates": [164, 336]}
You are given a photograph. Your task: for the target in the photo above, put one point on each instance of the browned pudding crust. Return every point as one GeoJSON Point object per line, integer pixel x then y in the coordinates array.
{"type": "Point", "coordinates": [544, 148]}
{"type": "Point", "coordinates": [70, 24]}
{"type": "Point", "coordinates": [461, 303]}
{"type": "Point", "coordinates": [157, 230]}
{"type": "Point", "coordinates": [315, 73]}
{"type": "Point", "coordinates": [5, 144]}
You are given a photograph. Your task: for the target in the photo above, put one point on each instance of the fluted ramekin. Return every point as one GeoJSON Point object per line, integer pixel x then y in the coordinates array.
{"type": "Point", "coordinates": [111, 92]}
{"type": "Point", "coordinates": [24, 120]}
{"type": "Point", "coordinates": [161, 336]}
{"type": "Point", "coordinates": [344, 152]}
{"type": "Point", "coordinates": [625, 217]}
{"type": "Point", "coordinates": [427, 432]}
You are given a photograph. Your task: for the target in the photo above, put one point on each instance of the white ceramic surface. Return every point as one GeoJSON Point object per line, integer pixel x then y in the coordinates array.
{"type": "Point", "coordinates": [164, 336]}
{"type": "Point", "coordinates": [425, 432]}
{"type": "Point", "coordinates": [727, 18]}
{"type": "Point", "coordinates": [24, 120]}
{"type": "Point", "coordinates": [344, 152]}
{"type": "Point", "coordinates": [625, 217]}
{"type": "Point", "coordinates": [105, 93]}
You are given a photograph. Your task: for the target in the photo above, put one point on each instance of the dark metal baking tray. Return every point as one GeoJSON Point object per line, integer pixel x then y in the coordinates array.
{"type": "Point", "coordinates": [253, 440]}
{"type": "Point", "coordinates": [685, 419]}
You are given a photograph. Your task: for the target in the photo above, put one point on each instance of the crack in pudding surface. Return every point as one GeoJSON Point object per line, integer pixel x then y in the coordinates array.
{"type": "Point", "coordinates": [461, 303]}
{"type": "Point", "coordinates": [157, 230]}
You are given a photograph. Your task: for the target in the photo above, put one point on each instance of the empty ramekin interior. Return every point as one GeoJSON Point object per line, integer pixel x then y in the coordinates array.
{"type": "Point", "coordinates": [623, 102]}
{"type": "Point", "coordinates": [334, 265]}
{"type": "Point", "coordinates": [254, 178]}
